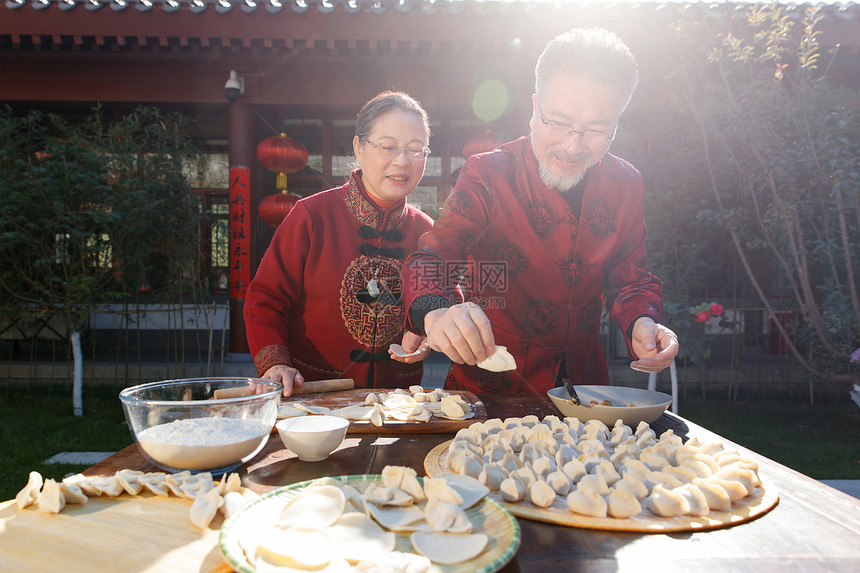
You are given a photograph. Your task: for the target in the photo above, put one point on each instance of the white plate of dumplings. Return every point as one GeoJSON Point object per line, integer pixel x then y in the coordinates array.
{"type": "Point", "coordinates": [618, 478]}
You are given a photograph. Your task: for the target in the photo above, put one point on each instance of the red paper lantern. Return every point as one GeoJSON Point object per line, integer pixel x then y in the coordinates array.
{"type": "Point", "coordinates": [282, 155]}
{"type": "Point", "coordinates": [274, 208]}
{"type": "Point", "coordinates": [485, 141]}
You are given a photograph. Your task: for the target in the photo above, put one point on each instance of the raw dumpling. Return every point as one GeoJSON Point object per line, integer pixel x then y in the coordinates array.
{"type": "Point", "coordinates": [72, 493]}
{"type": "Point", "coordinates": [667, 503]}
{"type": "Point", "coordinates": [544, 465]}
{"type": "Point", "coordinates": [204, 508]}
{"type": "Point", "coordinates": [587, 502]}
{"type": "Point", "coordinates": [155, 483]}
{"type": "Point", "coordinates": [683, 473]}
{"type": "Point", "coordinates": [607, 471]}
{"type": "Point", "coordinates": [387, 496]}
{"type": "Point", "coordinates": [525, 475]}
{"type": "Point", "coordinates": [447, 517]}
{"type": "Point", "coordinates": [30, 493]}
{"type": "Point", "coordinates": [377, 418]}
{"type": "Point", "coordinates": [747, 478]}
{"type": "Point", "coordinates": [499, 361]}
{"type": "Point", "coordinates": [438, 489]}
{"type": "Point", "coordinates": [404, 478]}
{"type": "Point", "coordinates": [632, 484]}
{"type": "Point", "coordinates": [696, 498]}
{"type": "Point", "coordinates": [622, 504]}
{"type": "Point", "coordinates": [130, 481]}
{"type": "Point", "coordinates": [717, 497]}
{"type": "Point", "coordinates": [512, 489]}
{"type": "Point", "coordinates": [541, 494]}
{"type": "Point", "coordinates": [559, 482]}
{"type": "Point", "coordinates": [593, 482]}
{"type": "Point", "coordinates": [492, 476]}
{"type": "Point", "coordinates": [574, 469]}
{"type": "Point", "coordinates": [51, 500]}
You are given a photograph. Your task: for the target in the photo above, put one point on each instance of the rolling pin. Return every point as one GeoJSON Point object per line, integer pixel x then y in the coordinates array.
{"type": "Point", "coordinates": [333, 385]}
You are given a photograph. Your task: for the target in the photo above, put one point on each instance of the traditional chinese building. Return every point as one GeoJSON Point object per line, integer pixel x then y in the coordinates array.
{"type": "Point", "coordinates": [304, 67]}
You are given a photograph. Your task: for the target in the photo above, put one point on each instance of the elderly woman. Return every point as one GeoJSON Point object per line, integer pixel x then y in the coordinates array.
{"type": "Point", "coordinates": [326, 300]}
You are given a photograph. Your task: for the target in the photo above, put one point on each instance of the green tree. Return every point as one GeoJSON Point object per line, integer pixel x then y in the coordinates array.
{"type": "Point", "coordinates": [90, 211]}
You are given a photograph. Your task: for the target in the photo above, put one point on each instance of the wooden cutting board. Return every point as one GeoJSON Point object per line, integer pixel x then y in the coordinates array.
{"type": "Point", "coordinates": [335, 400]}
{"type": "Point", "coordinates": [142, 533]}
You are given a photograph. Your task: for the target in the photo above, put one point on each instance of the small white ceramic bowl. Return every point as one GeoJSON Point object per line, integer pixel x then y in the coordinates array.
{"type": "Point", "coordinates": [640, 405]}
{"type": "Point", "coordinates": [312, 438]}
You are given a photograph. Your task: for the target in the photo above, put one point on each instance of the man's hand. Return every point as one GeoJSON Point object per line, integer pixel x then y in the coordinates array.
{"type": "Point", "coordinates": [287, 376]}
{"type": "Point", "coordinates": [412, 342]}
{"type": "Point", "coordinates": [654, 345]}
{"type": "Point", "coordinates": [462, 332]}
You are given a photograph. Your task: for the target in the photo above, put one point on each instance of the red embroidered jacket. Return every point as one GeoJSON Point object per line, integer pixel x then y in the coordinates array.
{"type": "Point", "coordinates": [514, 246]}
{"type": "Point", "coordinates": [309, 305]}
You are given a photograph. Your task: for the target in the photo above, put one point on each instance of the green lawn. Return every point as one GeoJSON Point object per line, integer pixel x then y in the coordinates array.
{"type": "Point", "coordinates": [820, 441]}
{"type": "Point", "coordinates": [36, 424]}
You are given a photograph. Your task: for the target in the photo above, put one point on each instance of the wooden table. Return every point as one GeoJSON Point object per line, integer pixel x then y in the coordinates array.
{"type": "Point", "coordinates": [813, 528]}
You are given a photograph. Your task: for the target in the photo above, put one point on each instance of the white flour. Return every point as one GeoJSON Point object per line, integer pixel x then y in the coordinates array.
{"type": "Point", "coordinates": [202, 443]}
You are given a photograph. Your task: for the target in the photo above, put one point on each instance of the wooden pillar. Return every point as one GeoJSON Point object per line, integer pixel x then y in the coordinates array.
{"type": "Point", "coordinates": [241, 213]}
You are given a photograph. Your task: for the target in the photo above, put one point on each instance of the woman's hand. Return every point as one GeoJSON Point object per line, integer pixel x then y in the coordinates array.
{"type": "Point", "coordinates": [411, 343]}
{"type": "Point", "coordinates": [286, 375]}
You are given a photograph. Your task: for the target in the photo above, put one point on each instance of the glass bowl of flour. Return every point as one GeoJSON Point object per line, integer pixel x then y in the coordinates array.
{"type": "Point", "coordinates": [201, 424]}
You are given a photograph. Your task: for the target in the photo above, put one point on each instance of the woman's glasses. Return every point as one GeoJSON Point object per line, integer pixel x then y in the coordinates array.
{"type": "Point", "coordinates": [390, 152]}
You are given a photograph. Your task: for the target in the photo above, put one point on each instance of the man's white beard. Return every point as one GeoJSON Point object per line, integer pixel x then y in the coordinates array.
{"type": "Point", "coordinates": [560, 182]}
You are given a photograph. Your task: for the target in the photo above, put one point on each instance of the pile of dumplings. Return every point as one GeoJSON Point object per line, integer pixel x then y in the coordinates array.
{"type": "Point", "coordinates": [600, 471]}
{"type": "Point", "coordinates": [208, 495]}
{"type": "Point", "coordinates": [333, 526]}
{"type": "Point", "coordinates": [412, 405]}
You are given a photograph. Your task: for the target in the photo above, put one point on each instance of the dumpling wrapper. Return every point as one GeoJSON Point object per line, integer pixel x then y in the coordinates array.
{"type": "Point", "coordinates": [354, 412]}
{"type": "Point", "coordinates": [398, 350]}
{"type": "Point", "coordinates": [449, 548]}
{"type": "Point", "coordinates": [299, 547]}
{"type": "Point", "coordinates": [395, 518]}
{"type": "Point", "coordinates": [313, 410]}
{"type": "Point", "coordinates": [394, 561]}
{"type": "Point", "coordinates": [288, 411]}
{"type": "Point", "coordinates": [499, 361]}
{"type": "Point", "coordinates": [314, 507]}
{"type": "Point", "coordinates": [358, 538]}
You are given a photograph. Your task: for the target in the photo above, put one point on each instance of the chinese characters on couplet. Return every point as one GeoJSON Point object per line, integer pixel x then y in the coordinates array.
{"type": "Point", "coordinates": [240, 231]}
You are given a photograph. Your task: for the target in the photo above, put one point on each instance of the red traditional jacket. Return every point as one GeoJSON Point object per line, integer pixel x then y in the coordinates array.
{"type": "Point", "coordinates": [310, 305]}
{"type": "Point", "coordinates": [513, 245]}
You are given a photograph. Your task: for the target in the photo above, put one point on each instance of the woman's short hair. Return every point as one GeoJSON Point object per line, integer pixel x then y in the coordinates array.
{"type": "Point", "coordinates": [385, 102]}
{"type": "Point", "coordinates": [592, 53]}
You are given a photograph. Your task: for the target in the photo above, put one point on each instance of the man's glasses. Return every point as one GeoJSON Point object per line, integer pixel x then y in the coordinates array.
{"type": "Point", "coordinates": [589, 136]}
{"type": "Point", "coordinates": [390, 152]}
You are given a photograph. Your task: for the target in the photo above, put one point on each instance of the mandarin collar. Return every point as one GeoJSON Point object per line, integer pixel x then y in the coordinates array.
{"type": "Point", "coordinates": [367, 213]}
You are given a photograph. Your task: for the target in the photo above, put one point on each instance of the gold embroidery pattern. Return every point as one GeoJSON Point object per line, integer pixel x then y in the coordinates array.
{"type": "Point", "coordinates": [372, 324]}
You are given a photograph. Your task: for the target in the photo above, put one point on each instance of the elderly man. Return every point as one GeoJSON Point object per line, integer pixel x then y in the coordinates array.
{"type": "Point", "coordinates": [537, 235]}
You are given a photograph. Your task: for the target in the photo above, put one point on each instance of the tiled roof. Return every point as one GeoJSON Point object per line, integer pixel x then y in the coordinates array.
{"type": "Point", "coordinates": [843, 8]}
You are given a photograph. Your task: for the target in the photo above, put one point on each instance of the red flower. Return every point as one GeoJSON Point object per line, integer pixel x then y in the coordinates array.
{"type": "Point", "coordinates": [716, 309]}
{"type": "Point", "coordinates": [703, 317]}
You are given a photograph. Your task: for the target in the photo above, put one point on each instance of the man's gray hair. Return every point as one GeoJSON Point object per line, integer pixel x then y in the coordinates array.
{"type": "Point", "coordinates": [595, 54]}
